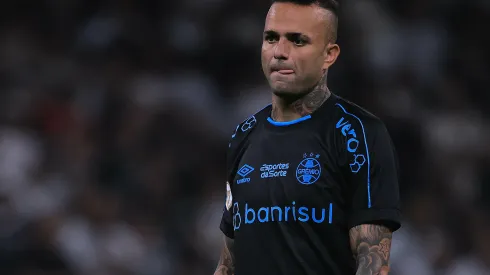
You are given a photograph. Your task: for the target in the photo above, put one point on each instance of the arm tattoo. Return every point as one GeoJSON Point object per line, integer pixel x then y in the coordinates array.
{"type": "Point", "coordinates": [226, 264]}
{"type": "Point", "coordinates": [371, 246]}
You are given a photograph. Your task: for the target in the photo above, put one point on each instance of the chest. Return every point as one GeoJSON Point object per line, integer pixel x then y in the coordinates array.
{"type": "Point", "coordinates": [280, 170]}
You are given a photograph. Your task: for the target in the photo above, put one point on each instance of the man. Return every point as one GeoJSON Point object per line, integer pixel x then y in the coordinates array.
{"type": "Point", "coordinates": [312, 179]}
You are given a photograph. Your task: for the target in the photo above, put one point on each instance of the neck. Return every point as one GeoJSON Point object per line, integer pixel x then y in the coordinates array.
{"type": "Point", "coordinates": [286, 110]}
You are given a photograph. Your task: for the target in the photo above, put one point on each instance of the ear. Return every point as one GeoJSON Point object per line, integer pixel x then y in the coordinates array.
{"type": "Point", "coordinates": [330, 54]}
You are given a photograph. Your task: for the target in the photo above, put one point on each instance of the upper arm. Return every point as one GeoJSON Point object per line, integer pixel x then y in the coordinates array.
{"type": "Point", "coordinates": [367, 236]}
{"type": "Point", "coordinates": [226, 265]}
{"type": "Point", "coordinates": [229, 245]}
{"type": "Point", "coordinates": [371, 169]}
{"type": "Point", "coordinates": [371, 244]}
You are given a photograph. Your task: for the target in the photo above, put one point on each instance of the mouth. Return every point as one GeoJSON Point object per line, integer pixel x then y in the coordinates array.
{"type": "Point", "coordinates": [283, 71]}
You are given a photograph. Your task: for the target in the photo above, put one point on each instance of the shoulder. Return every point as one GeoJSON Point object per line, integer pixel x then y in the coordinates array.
{"type": "Point", "coordinates": [359, 136]}
{"type": "Point", "coordinates": [350, 115]}
{"type": "Point", "coordinates": [357, 131]}
{"type": "Point", "coordinates": [248, 125]}
{"type": "Point", "coordinates": [240, 137]}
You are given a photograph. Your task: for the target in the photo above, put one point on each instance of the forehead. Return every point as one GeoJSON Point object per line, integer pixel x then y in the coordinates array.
{"type": "Point", "coordinates": [288, 17]}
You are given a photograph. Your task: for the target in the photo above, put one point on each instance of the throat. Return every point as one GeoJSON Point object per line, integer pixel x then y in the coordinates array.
{"type": "Point", "coordinates": [284, 110]}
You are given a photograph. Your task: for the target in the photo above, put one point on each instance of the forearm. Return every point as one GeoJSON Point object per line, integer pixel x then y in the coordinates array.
{"type": "Point", "coordinates": [371, 246]}
{"type": "Point", "coordinates": [226, 264]}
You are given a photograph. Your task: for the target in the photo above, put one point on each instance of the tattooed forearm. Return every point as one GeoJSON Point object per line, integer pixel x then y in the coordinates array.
{"type": "Point", "coordinates": [226, 264]}
{"type": "Point", "coordinates": [371, 246]}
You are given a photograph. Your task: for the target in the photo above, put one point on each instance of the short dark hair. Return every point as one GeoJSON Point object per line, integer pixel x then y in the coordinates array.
{"type": "Point", "coordinates": [330, 5]}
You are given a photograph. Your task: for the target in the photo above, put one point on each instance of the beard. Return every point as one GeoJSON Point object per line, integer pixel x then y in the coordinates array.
{"type": "Point", "coordinates": [289, 91]}
{"type": "Point", "coordinates": [287, 96]}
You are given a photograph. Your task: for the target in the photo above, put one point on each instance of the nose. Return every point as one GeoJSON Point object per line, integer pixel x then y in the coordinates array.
{"type": "Point", "coordinates": [281, 50]}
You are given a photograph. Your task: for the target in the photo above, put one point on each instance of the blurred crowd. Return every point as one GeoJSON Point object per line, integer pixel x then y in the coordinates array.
{"type": "Point", "coordinates": [115, 117]}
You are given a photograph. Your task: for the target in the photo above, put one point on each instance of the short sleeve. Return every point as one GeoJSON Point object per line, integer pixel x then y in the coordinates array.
{"type": "Point", "coordinates": [236, 148]}
{"type": "Point", "coordinates": [373, 177]}
{"type": "Point", "coordinates": [226, 225]}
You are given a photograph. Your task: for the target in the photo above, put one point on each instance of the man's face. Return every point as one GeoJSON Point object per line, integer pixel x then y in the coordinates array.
{"type": "Point", "coordinates": [294, 48]}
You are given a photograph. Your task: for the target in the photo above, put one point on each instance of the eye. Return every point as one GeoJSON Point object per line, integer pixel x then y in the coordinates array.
{"type": "Point", "coordinates": [270, 39]}
{"type": "Point", "coordinates": [299, 42]}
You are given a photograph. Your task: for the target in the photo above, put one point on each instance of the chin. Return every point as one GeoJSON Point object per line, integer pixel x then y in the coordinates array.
{"type": "Point", "coordinates": [285, 90]}
{"type": "Point", "coordinates": [282, 92]}
{"type": "Point", "coordinates": [287, 95]}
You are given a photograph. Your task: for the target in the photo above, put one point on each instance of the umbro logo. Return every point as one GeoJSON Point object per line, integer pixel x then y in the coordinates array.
{"type": "Point", "coordinates": [243, 172]}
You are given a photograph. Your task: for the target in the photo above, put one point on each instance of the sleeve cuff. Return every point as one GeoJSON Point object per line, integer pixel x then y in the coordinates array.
{"type": "Point", "coordinates": [227, 229]}
{"type": "Point", "coordinates": [387, 217]}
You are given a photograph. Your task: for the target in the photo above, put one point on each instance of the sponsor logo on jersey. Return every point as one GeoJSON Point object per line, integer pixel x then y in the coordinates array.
{"type": "Point", "coordinates": [248, 124]}
{"type": "Point", "coordinates": [309, 169]}
{"type": "Point", "coordinates": [352, 144]}
{"type": "Point", "coordinates": [274, 170]}
{"type": "Point", "coordinates": [291, 213]}
{"type": "Point", "coordinates": [357, 163]}
{"type": "Point", "coordinates": [245, 126]}
{"type": "Point", "coordinates": [244, 172]}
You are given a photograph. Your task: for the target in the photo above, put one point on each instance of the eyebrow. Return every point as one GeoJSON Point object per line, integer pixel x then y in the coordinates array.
{"type": "Point", "coordinates": [289, 35]}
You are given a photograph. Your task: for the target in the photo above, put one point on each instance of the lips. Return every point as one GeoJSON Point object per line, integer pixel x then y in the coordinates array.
{"type": "Point", "coordinates": [285, 71]}
{"type": "Point", "coordinates": [282, 70]}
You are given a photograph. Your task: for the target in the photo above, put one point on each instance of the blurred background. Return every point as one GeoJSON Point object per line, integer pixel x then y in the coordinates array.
{"type": "Point", "coordinates": [115, 116]}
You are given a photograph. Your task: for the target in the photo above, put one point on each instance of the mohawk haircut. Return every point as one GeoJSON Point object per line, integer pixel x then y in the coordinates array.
{"type": "Point", "coordinates": [330, 5]}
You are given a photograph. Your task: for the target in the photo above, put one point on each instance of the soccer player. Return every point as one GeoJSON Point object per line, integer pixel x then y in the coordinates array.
{"type": "Point", "coordinates": [312, 178]}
